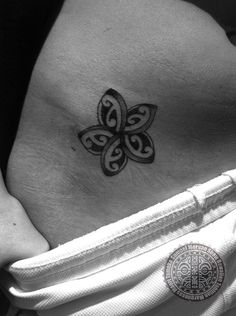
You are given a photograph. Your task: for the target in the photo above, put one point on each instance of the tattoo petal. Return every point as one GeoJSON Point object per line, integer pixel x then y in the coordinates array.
{"type": "Point", "coordinates": [113, 158]}
{"type": "Point", "coordinates": [140, 117]}
{"type": "Point", "coordinates": [112, 111]}
{"type": "Point", "coordinates": [95, 138]}
{"type": "Point", "coordinates": [139, 147]}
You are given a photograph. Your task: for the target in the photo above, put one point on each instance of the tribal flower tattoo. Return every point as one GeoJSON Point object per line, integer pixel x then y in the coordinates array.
{"type": "Point", "coordinates": [121, 133]}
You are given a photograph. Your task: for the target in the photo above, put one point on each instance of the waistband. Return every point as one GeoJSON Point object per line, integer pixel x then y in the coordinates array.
{"type": "Point", "coordinates": [115, 243]}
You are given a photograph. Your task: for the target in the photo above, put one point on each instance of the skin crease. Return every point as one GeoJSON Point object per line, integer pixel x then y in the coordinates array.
{"type": "Point", "coordinates": [168, 53]}
{"type": "Point", "coordinates": [18, 237]}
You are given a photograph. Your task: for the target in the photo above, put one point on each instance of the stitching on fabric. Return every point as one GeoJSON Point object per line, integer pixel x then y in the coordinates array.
{"type": "Point", "coordinates": [140, 229]}
{"type": "Point", "coordinates": [111, 252]}
{"type": "Point", "coordinates": [123, 246]}
{"type": "Point", "coordinates": [117, 249]}
{"type": "Point", "coordinates": [118, 237]}
{"type": "Point", "coordinates": [220, 191]}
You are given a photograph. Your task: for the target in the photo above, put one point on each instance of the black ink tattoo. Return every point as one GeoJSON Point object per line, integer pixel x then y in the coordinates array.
{"type": "Point", "coordinates": [121, 133]}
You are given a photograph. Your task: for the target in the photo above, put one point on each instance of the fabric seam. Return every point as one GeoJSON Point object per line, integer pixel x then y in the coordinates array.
{"type": "Point", "coordinates": [28, 280]}
{"type": "Point", "coordinates": [140, 228]}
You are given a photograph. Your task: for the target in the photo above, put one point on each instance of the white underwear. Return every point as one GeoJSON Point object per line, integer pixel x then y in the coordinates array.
{"type": "Point", "coordinates": [175, 258]}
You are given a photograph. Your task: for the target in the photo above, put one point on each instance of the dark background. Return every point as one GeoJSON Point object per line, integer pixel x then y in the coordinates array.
{"type": "Point", "coordinates": [26, 24]}
{"type": "Point", "coordinates": [24, 27]}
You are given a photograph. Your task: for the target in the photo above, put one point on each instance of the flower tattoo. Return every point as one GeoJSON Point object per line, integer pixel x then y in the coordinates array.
{"type": "Point", "coordinates": [121, 133]}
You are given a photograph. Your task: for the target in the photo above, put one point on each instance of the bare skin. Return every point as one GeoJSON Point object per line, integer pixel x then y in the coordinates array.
{"type": "Point", "coordinates": [167, 53]}
{"type": "Point", "coordinates": [18, 237]}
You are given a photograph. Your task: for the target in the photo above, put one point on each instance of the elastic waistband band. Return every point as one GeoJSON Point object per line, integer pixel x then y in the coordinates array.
{"type": "Point", "coordinates": [119, 241]}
